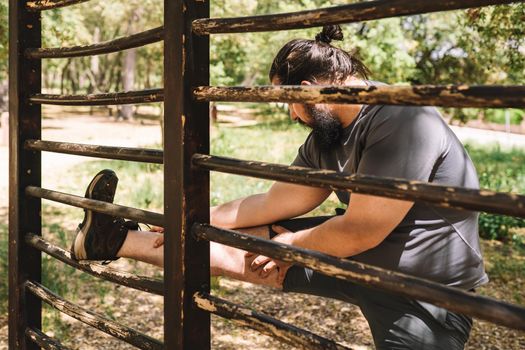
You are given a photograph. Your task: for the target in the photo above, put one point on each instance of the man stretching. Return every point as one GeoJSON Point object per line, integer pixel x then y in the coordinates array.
{"type": "Point", "coordinates": [416, 238]}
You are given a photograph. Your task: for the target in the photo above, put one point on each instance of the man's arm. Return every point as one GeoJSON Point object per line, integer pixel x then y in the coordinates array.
{"type": "Point", "coordinates": [282, 201]}
{"type": "Point", "coordinates": [366, 223]}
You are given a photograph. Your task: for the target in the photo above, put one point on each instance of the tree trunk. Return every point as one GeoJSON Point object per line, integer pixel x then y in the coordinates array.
{"type": "Point", "coordinates": [94, 71]}
{"type": "Point", "coordinates": [63, 76]}
{"type": "Point", "coordinates": [128, 67]}
{"type": "Point", "coordinates": [128, 80]}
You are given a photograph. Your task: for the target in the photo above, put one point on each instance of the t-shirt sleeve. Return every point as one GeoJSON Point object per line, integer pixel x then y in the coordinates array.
{"type": "Point", "coordinates": [404, 142]}
{"type": "Point", "coordinates": [307, 155]}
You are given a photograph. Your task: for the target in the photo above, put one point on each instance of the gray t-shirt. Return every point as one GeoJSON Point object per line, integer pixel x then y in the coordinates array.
{"type": "Point", "coordinates": [413, 143]}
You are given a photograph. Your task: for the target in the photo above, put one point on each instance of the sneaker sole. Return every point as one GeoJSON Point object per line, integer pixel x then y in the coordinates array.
{"type": "Point", "coordinates": [78, 251]}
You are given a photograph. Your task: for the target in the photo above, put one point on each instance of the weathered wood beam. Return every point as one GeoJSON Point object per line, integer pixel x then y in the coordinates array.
{"type": "Point", "coordinates": [486, 96]}
{"type": "Point", "coordinates": [453, 299]}
{"type": "Point", "coordinates": [186, 188]}
{"type": "Point", "coordinates": [360, 11]}
{"type": "Point", "coordinates": [144, 283]}
{"type": "Point", "coordinates": [139, 215]}
{"type": "Point", "coordinates": [297, 337]}
{"type": "Point", "coordinates": [422, 95]}
{"type": "Point", "coordinates": [41, 5]}
{"type": "Point", "coordinates": [443, 196]}
{"type": "Point", "coordinates": [127, 334]}
{"type": "Point", "coordinates": [43, 340]}
{"type": "Point", "coordinates": [124, 43]}
{"type": "Point", "coordinates": [116, 98]}
{"type": "Point", "coordinates": [108, 152]}
{"type": "Point", "coordinates": [25, 168]}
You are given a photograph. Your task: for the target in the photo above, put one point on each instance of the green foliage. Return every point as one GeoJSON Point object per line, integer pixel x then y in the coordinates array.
{"type": "Point", "coordinates": [477, 46]}
{"type": "Point", "coordinates": [96, 22]}
{"type": "Point", "coordinates": [500, 227]}
{"type": "Point", "coordinates": [516, 116]}
{"type": "Point", "coordinates": [245, 59]}
{"type": "Point", "coordinates": [500, 170]}
{"type": "Point", "coordinates": [384, 50]}
{"type": "Point", "coordinates": [490, 115]}
{"type": "Point", "coordinates": [495, 38]}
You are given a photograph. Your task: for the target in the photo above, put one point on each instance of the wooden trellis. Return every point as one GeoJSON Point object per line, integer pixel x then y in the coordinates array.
{"type": "Point", "coordinates": [187, 164]}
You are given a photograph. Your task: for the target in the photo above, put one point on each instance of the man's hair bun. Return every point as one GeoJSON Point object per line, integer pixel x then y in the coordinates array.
{"type": "Point", "coordinates": [329, 33]}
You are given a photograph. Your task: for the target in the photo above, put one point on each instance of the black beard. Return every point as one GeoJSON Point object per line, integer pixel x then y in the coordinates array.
{"type": "Point", "coordinates": [327, 129]}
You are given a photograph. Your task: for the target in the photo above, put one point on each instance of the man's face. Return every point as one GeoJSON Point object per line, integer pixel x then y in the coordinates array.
{"type": "Point", "coordinates": [326, 127]}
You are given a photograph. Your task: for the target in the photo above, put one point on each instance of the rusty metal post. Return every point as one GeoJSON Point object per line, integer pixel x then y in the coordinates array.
{"type": "Point", "coordinates": [186, 189]}
{"type": "Point", "coordinates": [24, 170]}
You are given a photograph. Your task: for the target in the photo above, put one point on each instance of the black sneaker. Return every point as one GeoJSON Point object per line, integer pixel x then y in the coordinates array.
{"type": "Point", "coordinates": [100, 236]}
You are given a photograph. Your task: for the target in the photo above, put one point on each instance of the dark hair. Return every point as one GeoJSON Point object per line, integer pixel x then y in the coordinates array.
{"type": "Point", "coordinates": [303, 59]}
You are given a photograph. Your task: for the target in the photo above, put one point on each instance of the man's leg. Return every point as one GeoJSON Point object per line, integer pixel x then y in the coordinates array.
{"type": "Point", "coordinates": [400, 323]}
{"type": "Point", "coordinates": [104, 237]}
{"type": "Point", "coordinates": [396, 322]}
{"type": "Point", "coordinates": [224, 260]}
{"type": "Point", "coordinates": [139, 245]}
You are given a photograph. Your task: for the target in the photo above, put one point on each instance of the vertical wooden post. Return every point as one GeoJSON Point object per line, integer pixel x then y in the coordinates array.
{"type": "Point", "coordinates": [24, 170]}
{"type": "Point", "coordinates": [186, 190]}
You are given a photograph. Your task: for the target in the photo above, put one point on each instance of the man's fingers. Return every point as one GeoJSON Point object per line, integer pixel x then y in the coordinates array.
{"type": "Point", "coordinates": [258, 262]}
{"type": "Point", "coordinates": [157, 229]}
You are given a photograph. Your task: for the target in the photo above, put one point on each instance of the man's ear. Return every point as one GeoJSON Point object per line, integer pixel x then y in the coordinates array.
{"type": "Point", "coordinates": [306, 82]}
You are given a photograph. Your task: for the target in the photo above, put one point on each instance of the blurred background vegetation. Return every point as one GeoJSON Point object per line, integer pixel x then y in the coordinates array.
{"type": "Point", "coordinates": [476, 46]}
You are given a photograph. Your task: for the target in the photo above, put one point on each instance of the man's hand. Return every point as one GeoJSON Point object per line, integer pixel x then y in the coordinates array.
{"type": "Point", "coordinates": [267, 265]}
{"type": "Point", "coordinates": [160, 240]}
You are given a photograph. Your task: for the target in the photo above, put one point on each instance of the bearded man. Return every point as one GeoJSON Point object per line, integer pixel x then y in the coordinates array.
{"type": "Point", "coordinates": [416, 238]}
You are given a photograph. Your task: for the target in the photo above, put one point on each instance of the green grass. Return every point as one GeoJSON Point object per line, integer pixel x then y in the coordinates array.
{"type": "Point", "coordinates": [503, 171]}
{"type": "Point", "coordinates": [505, 265]}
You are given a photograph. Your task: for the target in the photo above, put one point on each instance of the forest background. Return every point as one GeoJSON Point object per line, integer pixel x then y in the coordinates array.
{"type": "Point", "coordinates": [477, 46]}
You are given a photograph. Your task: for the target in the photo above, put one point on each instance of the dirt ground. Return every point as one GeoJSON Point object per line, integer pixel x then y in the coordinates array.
{"type": "Point", "coordinates": [333, 319]}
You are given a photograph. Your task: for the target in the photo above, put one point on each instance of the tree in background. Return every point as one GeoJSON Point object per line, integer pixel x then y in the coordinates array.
{"type": "Point", "coordinates": [97, 22]}
{"type": "Point", "coordinates": [477, 46]}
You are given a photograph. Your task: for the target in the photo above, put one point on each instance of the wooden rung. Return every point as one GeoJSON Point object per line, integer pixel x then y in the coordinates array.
{"type": "Point", "coordinates": [124, 43]}
{"type": "Point", "coordinates": [127, 334]}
